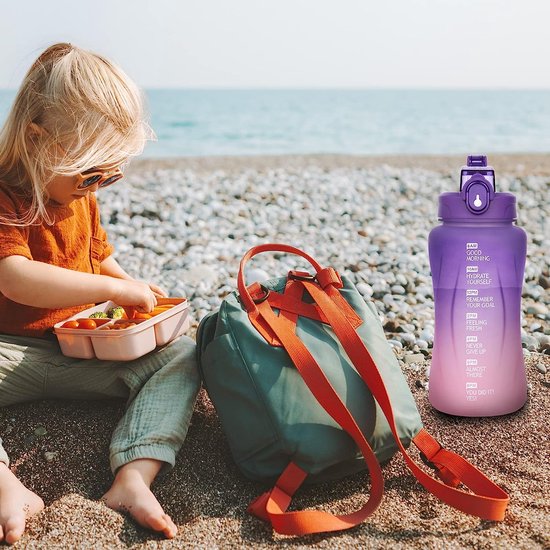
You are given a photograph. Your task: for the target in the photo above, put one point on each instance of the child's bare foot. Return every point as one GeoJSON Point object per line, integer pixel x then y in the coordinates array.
{"type": "Point", "coordinates": [17, 503]}
{"type": "Point", "coordinates": [130, 493]}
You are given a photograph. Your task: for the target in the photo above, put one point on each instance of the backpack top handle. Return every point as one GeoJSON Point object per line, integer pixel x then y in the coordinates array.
{"type": "Point", "coordinates": [246, 299]}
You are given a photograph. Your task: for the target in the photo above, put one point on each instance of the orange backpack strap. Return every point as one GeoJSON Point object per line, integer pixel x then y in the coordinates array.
{"type": "Point", "coordinates": [272, 505]}
{"type": "Point", "coordinates": [487, 500]}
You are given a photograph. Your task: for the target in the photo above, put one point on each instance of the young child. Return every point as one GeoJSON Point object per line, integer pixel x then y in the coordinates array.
{"type": "Point", "coordinates": [75, 120]}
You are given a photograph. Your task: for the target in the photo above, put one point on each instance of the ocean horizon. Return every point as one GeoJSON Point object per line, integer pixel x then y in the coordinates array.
{"type": "Point", "coordinates": [228, 122]}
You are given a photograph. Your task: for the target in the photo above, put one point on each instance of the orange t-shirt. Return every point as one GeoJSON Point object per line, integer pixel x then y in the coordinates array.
{"type": "Point", "coordinates": [75, 241]}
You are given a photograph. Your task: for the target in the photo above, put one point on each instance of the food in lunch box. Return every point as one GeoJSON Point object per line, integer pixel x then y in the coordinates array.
{"type": "Point", "coordinates": [116, 313]}
{"type": "Point", "coordinates": [139, 315]}
{"type": "Point", "coordinates": [86, 324]}
{"type": "Point", "coordinates": [98, 315]}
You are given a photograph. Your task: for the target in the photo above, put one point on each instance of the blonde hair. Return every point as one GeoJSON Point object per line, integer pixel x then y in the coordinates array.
{"type": "Point", "coordinates": [81, 103]}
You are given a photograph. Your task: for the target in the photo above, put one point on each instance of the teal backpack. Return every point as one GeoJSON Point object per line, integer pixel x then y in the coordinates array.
{"type": "Point", "coordinates": [308, 389]}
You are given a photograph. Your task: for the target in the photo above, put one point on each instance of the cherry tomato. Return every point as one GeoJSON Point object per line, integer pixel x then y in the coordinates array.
{"type": "Point", "coordinates": [70, 324]}
{"type": "Point", "coordinates": [88, 324]}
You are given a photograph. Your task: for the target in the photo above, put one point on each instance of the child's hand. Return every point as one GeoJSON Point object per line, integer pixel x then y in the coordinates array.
{"type": "Point", "coordinates": [134, 293]}
{"type": "Point", "coordinates": [157, 291]}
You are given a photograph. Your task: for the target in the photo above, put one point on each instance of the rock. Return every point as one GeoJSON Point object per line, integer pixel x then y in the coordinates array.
{"type": "Point", "coordinates": [422, 344]}
{"type": "Point", "coordinates": [50, 455]}
{"type": "Point", "coordinates": [40, 431]}
{"type": "Point", "coordinates": [365, 290]}
{"type": "Point", "coordinates": [396, 344]}
{"type": "Point", "coordinates": [413, 358]}
{"type": "Point", "coordinates": [391, 326]}
{"type": "Point", "coordinates": [529, 342]}
{"type": "Point", "coordinates": [537, 309]}
{"type": "Point", "coordinates": [406, 337]}
{"type": "Point", "coordinates": [427, 336]}
{"type": "Point", "coordinates": [544, 282]}
{"type": "Point", "coordinates": [531, 292]}
{"type": "Point", "coordinates": [541, 367]}
{"type": "Point", "coordinates": [398, 289]}
{"type": "Point", "coordinates": [400, 279]}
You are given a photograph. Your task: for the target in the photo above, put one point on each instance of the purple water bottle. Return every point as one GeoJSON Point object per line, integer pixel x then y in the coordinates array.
{"type": "Point", "coordinates": [477, 259]}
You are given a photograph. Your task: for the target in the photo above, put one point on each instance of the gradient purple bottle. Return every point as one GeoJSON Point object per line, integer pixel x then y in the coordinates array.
{"type": "Point", "coordinates": [477, 259]}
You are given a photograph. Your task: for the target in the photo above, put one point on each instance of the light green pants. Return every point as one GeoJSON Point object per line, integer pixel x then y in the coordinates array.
{"type": "Point", "coordinates": [161, 388]}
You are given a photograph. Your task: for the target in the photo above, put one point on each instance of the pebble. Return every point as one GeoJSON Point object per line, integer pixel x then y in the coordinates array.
{"type": "Point", "coordinates": [50, 455]}
{"type": "Point", "coordinates": [398, 289]}
{"type": "Point", "coordinates": [422, 344]}
{"type": "Point", "coordinates": [396, 344]}
{"type": "Point", "coordinates": [529, 342]}
{"type": "Point", "coordinates": [407, 337]}
{"type": "Point", "coordinates": [427, 336]}
{"type": "Point", "coordinates": [541, 368]}
{"type": "Point", "coordinates": [537, 309]}
{"type": "Point", "coordinates": [40, 431]}
{"type": "Point", "coordinates": [413, 358]}
{"type": "Point", "coordinates": [365, 290]}
{"type": "Point", "coordinates": [187, 232]}
{"type": "Point", "coordinates": [391, 326]}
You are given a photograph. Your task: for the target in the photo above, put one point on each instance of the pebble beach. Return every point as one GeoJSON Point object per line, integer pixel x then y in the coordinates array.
{"type": "Point", "coordinates": [184, 224]}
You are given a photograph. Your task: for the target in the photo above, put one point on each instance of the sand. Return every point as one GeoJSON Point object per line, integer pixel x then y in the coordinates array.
{"type": "Point", "coordinates": [207, 496]}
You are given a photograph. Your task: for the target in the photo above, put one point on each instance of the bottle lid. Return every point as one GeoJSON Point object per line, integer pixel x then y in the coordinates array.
{"type": "Point", "coordinates": [502, 207]}
{"type": "Point", "coordinates": [477, 199]}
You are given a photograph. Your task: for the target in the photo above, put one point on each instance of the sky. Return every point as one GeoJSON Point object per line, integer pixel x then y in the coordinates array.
{"type": "Point", "coordinates": [480, 44]}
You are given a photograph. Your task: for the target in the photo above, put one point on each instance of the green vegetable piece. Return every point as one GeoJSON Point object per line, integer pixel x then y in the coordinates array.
{"type": "Point", "coordinates": [98, 315]}
{"type": "Point", "coordinates": [116, 312]}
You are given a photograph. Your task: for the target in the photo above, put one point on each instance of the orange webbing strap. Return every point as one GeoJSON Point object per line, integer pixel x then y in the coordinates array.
{"type": "Point", "coordinates": [273, 505]}
{"type": "Point", "coordinates": [488, 500]}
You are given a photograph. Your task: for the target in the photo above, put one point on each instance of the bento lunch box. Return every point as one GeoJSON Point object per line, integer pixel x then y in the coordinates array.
{"type": "Point", "coordinates": [105, 342]}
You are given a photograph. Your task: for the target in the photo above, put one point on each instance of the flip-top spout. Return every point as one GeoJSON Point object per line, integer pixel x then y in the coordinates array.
{"type": "Point", "coordinates": [477, 184]}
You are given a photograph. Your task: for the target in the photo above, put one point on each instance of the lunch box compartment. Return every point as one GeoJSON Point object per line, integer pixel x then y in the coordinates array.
{"type": "Point", "coordinates": [125, 344]}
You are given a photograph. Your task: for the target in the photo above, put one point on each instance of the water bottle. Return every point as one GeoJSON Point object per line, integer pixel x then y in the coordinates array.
{"type": "Point", "coordinates": [477, 259]}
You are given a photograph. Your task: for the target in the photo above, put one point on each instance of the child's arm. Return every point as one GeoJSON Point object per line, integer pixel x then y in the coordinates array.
{"type": "Point", "coordinates": [109, 266]}
{"type": "Point", "coordinates": [43, 285]}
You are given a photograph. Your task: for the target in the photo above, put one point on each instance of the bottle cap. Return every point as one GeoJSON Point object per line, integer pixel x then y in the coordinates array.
{"type": "Point", "coordinates": [477, 198]}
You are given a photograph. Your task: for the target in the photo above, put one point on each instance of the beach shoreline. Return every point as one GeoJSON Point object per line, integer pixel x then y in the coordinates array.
{"type": "Point", "coordinates": [519, 164]}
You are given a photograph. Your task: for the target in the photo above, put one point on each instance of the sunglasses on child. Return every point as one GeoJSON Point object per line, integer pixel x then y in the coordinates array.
{"type": "Point", "coordinates": [102, 178]}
